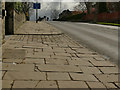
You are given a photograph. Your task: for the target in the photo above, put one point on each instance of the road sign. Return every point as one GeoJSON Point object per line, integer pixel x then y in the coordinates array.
{"type": "Point", "coordinates": [36, 5]}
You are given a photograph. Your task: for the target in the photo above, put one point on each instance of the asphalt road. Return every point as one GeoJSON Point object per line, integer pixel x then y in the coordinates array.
{"type": "Point", "coordinates": [100, 38]}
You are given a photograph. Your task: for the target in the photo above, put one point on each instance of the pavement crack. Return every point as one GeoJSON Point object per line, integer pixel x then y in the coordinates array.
{"type": "Point", "coordinates": [45, 61]}
{"type": "Point", "coordinates": [88, 85]}
{"type": "Point", "coordinates": [37, 83]}
{"type": "Point", "coordinates": [116, 85]}
{"type": "Point", "coordinates": [70, 76]}
{"type": "Point", "coordinates": [96, 77]}
{"type": "Point", "coordinates": [57, 85]}
{"type": "Point", "coordinates": [35, 67]}
{"type": "Point", "coordinates": [12, 84]}
{"type": "Point", "coordinates": [46, 76]}
{"type": "Point", "coordinates": [100, 70]}
{"type": "Point", "coordinates": [4, 74]}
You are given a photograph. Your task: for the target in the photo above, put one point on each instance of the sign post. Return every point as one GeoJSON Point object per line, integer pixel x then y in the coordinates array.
{"type": "Point", "coordinates": [36, 6]}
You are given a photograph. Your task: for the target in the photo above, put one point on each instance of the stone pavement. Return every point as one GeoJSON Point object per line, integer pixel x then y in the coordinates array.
{"type": "Point", "coordinates": [37, 28]}
{"type": "Point", "coordinates": [53, 60]}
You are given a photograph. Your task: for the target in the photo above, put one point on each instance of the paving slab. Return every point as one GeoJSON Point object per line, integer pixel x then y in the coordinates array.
{"type": "Point", "coordinates": [12, 44]}
{"type": "Point", "coordinates": [83, 77]}
{"type": "Point", "coordinates": [60, 57]}
{"type": "Point", "coordinates": [102, 63]}
{"type": "Point", "coordinates": [7, 83]}
{"type": "Point", "coordinates": [69, 50]}
{"type": "Point", "coordinates": [96, 85]}
{"type": "Point", "coordinates": [87, 55]}
{"type": "Point", "coordinates": [110, 85]}
{"type": "Point", "coordinates": [17, 67]}
{"type": "Point", "coordinates": [58, 76]}
{"type": "Point", "coordinates": [43, 54]}
{"type": "Point", "coordinates": [37, 56]}
{"type": "Point", "coordinates": [59, 68]}
{"type": "Point", "coordinates": [107, 78]}
{"type": "Point", "coordinates": [12, 60]}
{"type": "Point", "coordinates": [14, 54]}
{"type": "Point", "coordinates": [35, 46]}
{"type": "Point", "coordinates": [109, 70]}
{"type": "Point", "coordinates": [84, 51]}
{"type": "Point", "coordinates": [56, 61]}
{"type": "Point", "coordinates": [90, 70]}
{"type": "Point", "coordinates": [25, 84]}
{"type": "Point", "coordinates": [84, 58]}
{"type": "Point", "coordinates": [72, 84]}
{"type": "Point", "coordinates": [30, 50]}
{"type": "Point", "coordinates": [33, 61]}
{"type": "Point", "coordinates": [39, 28]}
{"type": "Point", "coordinates": [99, 58]}
{"type": "Point", "coordinates": [25, 76]}
{"type": "Point", "coordinates": [63, 54]}
{"type": "Point", "coordinates": [47, 84]}
{"type": "Point", "coordinates": [79, 62]}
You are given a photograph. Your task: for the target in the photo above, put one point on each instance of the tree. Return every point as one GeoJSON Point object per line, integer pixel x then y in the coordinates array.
{"type": "Point", "coordinates": [89, 7]}
{"type": "Point", "coordinates": [54, 14]}
{"type": "Point", "coordinates": [80, 7]}
{"type": "Point", "coordinates": [26, 8]}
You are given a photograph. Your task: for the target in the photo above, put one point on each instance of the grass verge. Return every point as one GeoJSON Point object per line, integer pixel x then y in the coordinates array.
{"type": "Point", "coordinates": [113, 24]}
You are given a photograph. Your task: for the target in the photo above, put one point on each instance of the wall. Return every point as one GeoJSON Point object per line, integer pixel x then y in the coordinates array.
{"type": "Point", "coordinates": [3, 24]}
{"type": "Point", "coordinates": [19, 19]}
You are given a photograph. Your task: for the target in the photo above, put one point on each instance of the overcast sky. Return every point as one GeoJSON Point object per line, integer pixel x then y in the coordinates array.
{"type": "Point", "coordinates": [47, 7]}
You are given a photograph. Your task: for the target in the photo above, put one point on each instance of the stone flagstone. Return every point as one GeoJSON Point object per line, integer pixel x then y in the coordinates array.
{"type": "Point", "coordinates": [58, 76]}
{"type": "Point", "coordinates": [59, 68]}
{"type": "Point", "coordinates": [25, 76]}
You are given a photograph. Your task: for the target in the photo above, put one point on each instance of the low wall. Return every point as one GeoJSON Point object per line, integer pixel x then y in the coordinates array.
{"type": "Point", "coordinates": [19, 19]}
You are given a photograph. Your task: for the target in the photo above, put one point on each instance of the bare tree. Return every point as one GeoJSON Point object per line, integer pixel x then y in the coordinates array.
{"type": "Point", "coordinates": [26, 8]}
{"type": "Point", "coordinates": [88, 6]}
{"type": "Point", "coordinates": [80, 7]}
{"type": "Point", "coordinates": [54, 14]}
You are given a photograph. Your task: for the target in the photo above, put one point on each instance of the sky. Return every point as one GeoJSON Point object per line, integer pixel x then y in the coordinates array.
{"type": "Point", "coordinates": [47, 7]}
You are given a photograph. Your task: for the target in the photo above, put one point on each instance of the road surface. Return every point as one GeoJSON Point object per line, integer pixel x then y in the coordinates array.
{"type": "Point", "coordinates": [100, 38]}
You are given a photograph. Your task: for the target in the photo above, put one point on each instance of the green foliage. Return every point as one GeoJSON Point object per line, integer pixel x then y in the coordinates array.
{"type": "Point", "coordinates": [114, 24]}
{"type": "Point", "coordinates": [18, 6]}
